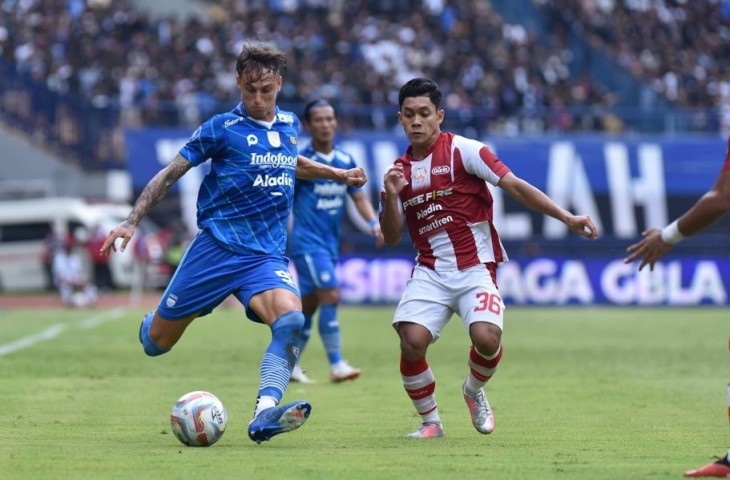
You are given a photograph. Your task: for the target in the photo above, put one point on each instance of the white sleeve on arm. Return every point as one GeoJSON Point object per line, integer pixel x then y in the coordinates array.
{"type": "Point", "coordinates": [479, 160]}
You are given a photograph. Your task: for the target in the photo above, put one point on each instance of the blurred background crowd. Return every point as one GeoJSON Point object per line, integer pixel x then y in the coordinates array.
{"type": "Point", "coordinates": [75, 73]}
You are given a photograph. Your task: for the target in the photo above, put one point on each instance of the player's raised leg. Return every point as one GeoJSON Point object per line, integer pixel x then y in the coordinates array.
{"type": "Point", "coordinates": [481, 369]}
{"type": "Point", "coordinates": [482, 310]}
{"type": "Point", "coordinates": [158, 335]}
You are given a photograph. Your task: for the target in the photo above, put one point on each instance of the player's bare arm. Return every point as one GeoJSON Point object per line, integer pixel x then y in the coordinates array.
{"type": "Point", "coordinates": [391, 223]}
{"type": "Point", "coordinates": [657, 242]}
{"type": "Point", "coordinates": [310, 170]}
{"type": "Point", "coordinates": [366, 211]}
{"type": "Point", "coordinates": [710, 208]}
{"type": "Point", "coordinates": [153, 192]}
{"type": "Point", "coordinates": [537, 200]}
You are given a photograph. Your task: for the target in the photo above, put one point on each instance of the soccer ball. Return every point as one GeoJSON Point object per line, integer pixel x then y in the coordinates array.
{"type": "Point", "coordinates": [198, 419]}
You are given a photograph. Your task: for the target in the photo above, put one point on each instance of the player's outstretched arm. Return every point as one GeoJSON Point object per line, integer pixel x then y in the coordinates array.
{"type": "Point", "coordinates": [153, 192]}
{"type": "Point", "coordinates": [366, 211]}
{"type": "Point", "coordinates": [537, 200]}
{"type": "Point", "coordinates": [310, 170]}
{"type": "Point", "coordinates": [657, 242]}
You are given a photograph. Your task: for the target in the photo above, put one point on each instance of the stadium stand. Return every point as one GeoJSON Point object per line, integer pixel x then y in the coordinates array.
{"type": "Point", "coordinates": [677, 49]}
{"type": "Point", "coordinates": [75, 73]}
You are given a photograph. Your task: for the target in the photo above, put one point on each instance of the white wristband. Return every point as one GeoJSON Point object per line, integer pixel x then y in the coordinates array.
{"type": "Point", "coordinates": [671, 234]}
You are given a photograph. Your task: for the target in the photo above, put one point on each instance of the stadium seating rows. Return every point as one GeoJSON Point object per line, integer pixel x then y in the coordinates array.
{"type": "Point", "coordinates": [498, 77]}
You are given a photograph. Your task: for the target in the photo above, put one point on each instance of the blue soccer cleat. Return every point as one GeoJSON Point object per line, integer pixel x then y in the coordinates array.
{"type": "Point", "coordinates": [276, 420]}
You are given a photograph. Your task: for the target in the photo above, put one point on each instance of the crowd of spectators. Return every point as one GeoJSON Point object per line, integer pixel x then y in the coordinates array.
{"type": "Point", "coordinates": [498, 77]}
{"type": "Point", "coordinates": [678, 47]}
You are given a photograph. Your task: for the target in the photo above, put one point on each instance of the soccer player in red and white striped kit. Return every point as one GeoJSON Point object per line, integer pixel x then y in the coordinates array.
{"type": "Point", "coordinates": [657, 242]}
{"type": "Point", "coordinates": [439, 187]}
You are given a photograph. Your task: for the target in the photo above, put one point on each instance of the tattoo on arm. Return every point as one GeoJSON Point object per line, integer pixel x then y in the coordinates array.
{"type": "Point", "coordinates": [157, 188]}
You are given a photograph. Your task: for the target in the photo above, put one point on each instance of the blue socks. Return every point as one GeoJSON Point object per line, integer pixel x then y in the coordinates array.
{"type": "Point", "coordinates": [150, 347]}
{"type": "Point", "coordinates": [306, 333]}
{"type": "Point", "coordinates": [279, 359]}
{"type": "Point", "coordinates": [329, 330]}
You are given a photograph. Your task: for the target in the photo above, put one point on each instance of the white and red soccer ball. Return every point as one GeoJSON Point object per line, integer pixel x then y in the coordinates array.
{"type": "Point", "coordinates": [198, 419]}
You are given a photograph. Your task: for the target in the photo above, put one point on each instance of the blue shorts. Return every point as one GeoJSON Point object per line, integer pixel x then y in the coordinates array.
{"type": "Point", "coordinates": [315, 271]}
{"type": "Point", "coordinates": [209, 273]}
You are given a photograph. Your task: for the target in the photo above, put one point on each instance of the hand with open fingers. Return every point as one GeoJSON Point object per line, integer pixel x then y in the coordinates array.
{"type": "Point", "coordinates": [649, 249]}
{"type": "Point", "coordinates": [124, 231]}
{"type": "Point", "coordinates": [355, 177]}
{"type": "Point", "coordinates": [583, 226]}
{"type": "Point", "coordinates": [394, 180]}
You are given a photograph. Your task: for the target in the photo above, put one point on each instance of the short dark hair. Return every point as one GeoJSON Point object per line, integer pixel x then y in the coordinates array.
{"type": "Point", "coordinates": [257, 59]}
{"type": "Point", "coordinates": [320, 102]}
{"type": "Point", "coordinates": [420, 87]}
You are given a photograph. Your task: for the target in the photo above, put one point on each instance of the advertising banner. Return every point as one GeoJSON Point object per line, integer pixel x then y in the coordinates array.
{"type": "Point", "coordinates": [626, 184]}
{"type": "Point", "coordinates": [547, 280]}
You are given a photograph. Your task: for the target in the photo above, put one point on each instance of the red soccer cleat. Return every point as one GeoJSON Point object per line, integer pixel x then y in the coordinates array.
{"type": "Point", "coordinates": [428, 430]}
{"type": "Point", "coordinates": [718, 469]}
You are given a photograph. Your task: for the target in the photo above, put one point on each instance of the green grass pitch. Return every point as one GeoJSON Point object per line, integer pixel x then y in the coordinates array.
{"type": "Point", "coordinates": [581, 393]}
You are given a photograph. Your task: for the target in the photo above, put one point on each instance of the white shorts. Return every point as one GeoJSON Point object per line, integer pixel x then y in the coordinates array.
{"type": "Point", "coordinates": [431, 298]}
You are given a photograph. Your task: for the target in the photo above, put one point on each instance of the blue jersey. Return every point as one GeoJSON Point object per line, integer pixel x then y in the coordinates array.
{"type": "Point", "coordinates": [245, 200]}
{"type": "Point", "coordinates": [318, 208]}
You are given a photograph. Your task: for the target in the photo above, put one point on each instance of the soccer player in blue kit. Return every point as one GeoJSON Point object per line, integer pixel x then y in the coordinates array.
{"type": "Point", "coordinates": [314, 240]}
{"type": "Point", "coordinates": [243, 209]}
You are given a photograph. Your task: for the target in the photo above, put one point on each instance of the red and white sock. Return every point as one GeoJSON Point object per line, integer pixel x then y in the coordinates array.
{"type": "Point", "coordinates": [420, 385]}
{"type": "Point", "coordinates": [481, 368]}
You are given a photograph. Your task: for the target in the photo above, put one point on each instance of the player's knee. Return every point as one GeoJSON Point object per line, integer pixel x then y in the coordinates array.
{"type": "Point", "coordinates": [288, 327]}
{"type": "Point", "coordinates": [487, 339]}
{"type": "Point", "coordinates": [414, 340]}
{"type": "Point", "coordinates": [149, 345]}
{"type": "Point", "coordinates": [290, 321]}
{"type": "Point", "coordinates": [413, 347]}
{"type": "Point", "coordinates": [411, 352]}
{"type": "Point", "coordinates": [151, 348]}
{"type": "Point", "coordinates": [286, 332]}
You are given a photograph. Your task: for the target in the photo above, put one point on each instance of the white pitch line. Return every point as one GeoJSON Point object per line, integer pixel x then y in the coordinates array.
{"type": "Point", "coordinates": [55, 330]}
{"type": "Point", "coordinates": [101, 318]}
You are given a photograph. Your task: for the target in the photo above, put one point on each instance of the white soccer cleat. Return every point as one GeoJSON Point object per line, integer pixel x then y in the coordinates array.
{"type": "Point", "coordinates": [343, 371]}
{"type": "Point", "coordinates": [482, 416]}
{"type": "Point", "coordinates": [428, 430]}
{"type": "Point", "coordinates": [298, 375]}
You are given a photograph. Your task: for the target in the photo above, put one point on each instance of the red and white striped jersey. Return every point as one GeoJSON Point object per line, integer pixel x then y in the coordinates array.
{"type": "Point", "coordinates": [448, 206]}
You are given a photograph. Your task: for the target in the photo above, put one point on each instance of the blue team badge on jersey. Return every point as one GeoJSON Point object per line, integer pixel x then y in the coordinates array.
{"type": "Point", "coordinates": [293, 140]}
{"type": "Point", "coordinates": [252, 139]}
{"type": "Point", "coordinates": [274, 139]}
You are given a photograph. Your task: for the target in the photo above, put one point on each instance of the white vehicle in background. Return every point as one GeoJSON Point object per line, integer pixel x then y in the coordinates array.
{"type": "Point", "coordinates": [26, 226]}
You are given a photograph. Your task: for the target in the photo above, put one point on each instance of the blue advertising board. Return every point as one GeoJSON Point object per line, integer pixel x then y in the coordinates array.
{"type": "Point", "coordinates": [553, 280]}
{"type": "Point", "coordinates": [626, 184]}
